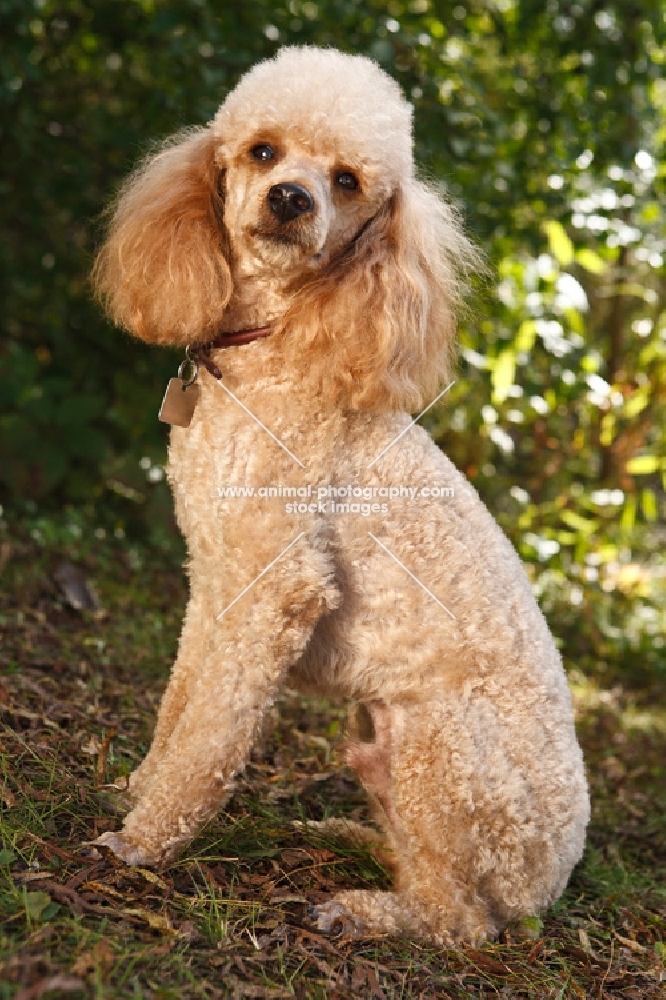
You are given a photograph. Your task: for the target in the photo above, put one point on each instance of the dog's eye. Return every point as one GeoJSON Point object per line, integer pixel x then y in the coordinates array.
{"type": "Point", "coordinates": [263, 152]}
{"type": "Point", "coordinates": [347, 180]}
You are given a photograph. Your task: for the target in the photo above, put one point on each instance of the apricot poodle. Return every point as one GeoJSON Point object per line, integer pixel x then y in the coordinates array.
{"type": "Point", "coordinates": [317, 281]}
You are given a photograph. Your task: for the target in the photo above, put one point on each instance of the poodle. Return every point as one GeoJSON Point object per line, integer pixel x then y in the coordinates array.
{"type": "Point", "coordinates": [332, 546]}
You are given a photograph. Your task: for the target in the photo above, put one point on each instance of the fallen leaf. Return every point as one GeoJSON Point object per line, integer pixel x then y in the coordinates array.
{"type": "Point", "coordinates": [536, 950]}
{"type": "Point", "coordinates": [76, 588]}
{"type": "Point", "coordinates": [52, 849]}
{"type": "Point", "coordinates": [358, 979]}
{"type": "Point", "coordinates": [152, 877]}
{"type": "Point", "coordinates": [488, 964]}
{"type": "Point", "coordinates": [102, 888]}
{"type": "Point", "coordinates": [100, 958]}
{"type": "Point", "coordinates": [154, 920]}
{"type": "Point", "coordinates": [38, 937]}
{"type": "Point", "coordinates": [92, 747]}
{"type": "Point", "coordinates": [640, 949]}
{"type": "Point", "coordinates": [580, 954]}
{"type": "Point", "coordinates": [323, 942]}
{"type": "Point", "coordinates": [189, 932]}
{"type": "Point", "coordinates": [247, 990]}
{"type": "Point", "coordinates": [373, 983]}
{"type": "Point", "coordinates": [22, 878]}
{"type": "Point", "coordinates": [321, 963]}
{"type": "Point", "coordinates": [103, 756]}
{"type": "Point", "coordinates": [51, 984]}
{"type": "Point", "coordinates": [84, 964]}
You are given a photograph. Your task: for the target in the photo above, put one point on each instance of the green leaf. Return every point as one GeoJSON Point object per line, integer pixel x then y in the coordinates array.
{"type": "Point", "coordinates": [607, 429]}
{"type": "Point", "coordinates": [36, 903]}
{"type": "Point", "coordinates": [637, 402]}
{"type": "Point", "coordinates": [559, 243]}
{"type": "Point", "coordinates": [262, 852]}
{"type": "Point", "coordinates": [642, 465]}
{"type": "Point", "coordinates": [50, 911]}
{"type": "Point", "coordinates": [628, 518]}
{"type": "Point", "coordinates": [6, 857]}
{"type": "Point", "coordinates": [503, 373]}
{"type": "Point", "coordinates": [590, 261]}
{"type": "Point", "coordinates": [651, 212]}
{"type": "Point", "coordinates": [649, 505]}
{"type": "Point", "coordinates": [575, 320]}
{"type": "Point", "coordinates": [526, 335]}
{"type": "Point", "coordinates": [566, 537]}
{"type": "Point", "coordinates": [580, 524]}
{"type": "Point", "coordinates": [530, 928]}
{"type": "Point", "coordinates": [591, 362]}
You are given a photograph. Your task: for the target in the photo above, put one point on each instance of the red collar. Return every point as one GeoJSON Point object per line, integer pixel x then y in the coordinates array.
{"type": "Point", "coordinates": [202, 353]}
{"type": "Point", "coordinates": [241, 337]}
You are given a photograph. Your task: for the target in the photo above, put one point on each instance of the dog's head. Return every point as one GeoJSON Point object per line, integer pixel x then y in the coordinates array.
{"type": "Point", "coordinates": [304, 179]}
{"type": "Point", "coordinates": [311, 145]}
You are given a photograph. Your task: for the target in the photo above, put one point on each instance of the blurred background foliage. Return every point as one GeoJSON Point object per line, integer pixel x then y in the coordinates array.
{"type": "Point", "coordinates": [546, 119]}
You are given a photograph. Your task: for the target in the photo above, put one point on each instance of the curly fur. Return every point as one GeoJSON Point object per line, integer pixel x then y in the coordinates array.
{"type": "Point", "coordinates": [467, 749]}
{"type": "Point", "coordinates": [381, 321]}
{"type": "Point", "coordinates": [163, 273]}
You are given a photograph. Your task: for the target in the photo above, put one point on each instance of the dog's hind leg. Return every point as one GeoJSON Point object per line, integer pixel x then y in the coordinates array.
{"type": "Point", "coordinates": [486, 809]}
{"type": "Point", "coordinates": [427, 899]}
{"type": "Point", "coordinates": [366, 913]}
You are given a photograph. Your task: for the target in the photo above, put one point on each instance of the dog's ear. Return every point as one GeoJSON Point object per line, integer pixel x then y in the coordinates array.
{"type": "Point", "coordinates": [162, 272]}
{"type": "Point", "coordinates": [382, 319]}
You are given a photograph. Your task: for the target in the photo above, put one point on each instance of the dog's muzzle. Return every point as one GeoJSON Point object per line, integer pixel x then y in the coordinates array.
{"type": "Point", "coordinates": [289, 201]}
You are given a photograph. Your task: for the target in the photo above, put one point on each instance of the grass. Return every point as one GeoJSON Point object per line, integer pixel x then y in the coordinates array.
{"type": "Point", "coordinates": [78, 693]}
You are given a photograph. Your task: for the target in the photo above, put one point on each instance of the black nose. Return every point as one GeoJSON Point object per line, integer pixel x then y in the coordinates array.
{"type": "Point", "coordinates": [288, 201]}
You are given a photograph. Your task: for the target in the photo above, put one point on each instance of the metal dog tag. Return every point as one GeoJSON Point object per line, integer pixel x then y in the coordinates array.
{"type": "Point", "coordinates": [179, 402]}
{"type": "Point", "coordinates": [181, 394]}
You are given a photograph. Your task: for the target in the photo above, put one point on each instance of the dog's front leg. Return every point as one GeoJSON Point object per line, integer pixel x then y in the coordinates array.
{"type": "Point", "coordinates": [192, 652]}
{"type": "Point", "coordinates": [248, 652]}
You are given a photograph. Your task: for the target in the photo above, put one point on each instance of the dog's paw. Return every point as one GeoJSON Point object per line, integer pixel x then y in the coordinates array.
{"type": "Point", "coordinates": [131, 854]}
{"type": "Point", "coordinates": [334, 918]}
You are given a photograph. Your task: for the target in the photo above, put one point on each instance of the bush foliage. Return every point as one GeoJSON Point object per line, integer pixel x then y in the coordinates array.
{"type": "Point", "coordinates": [546, 119]}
